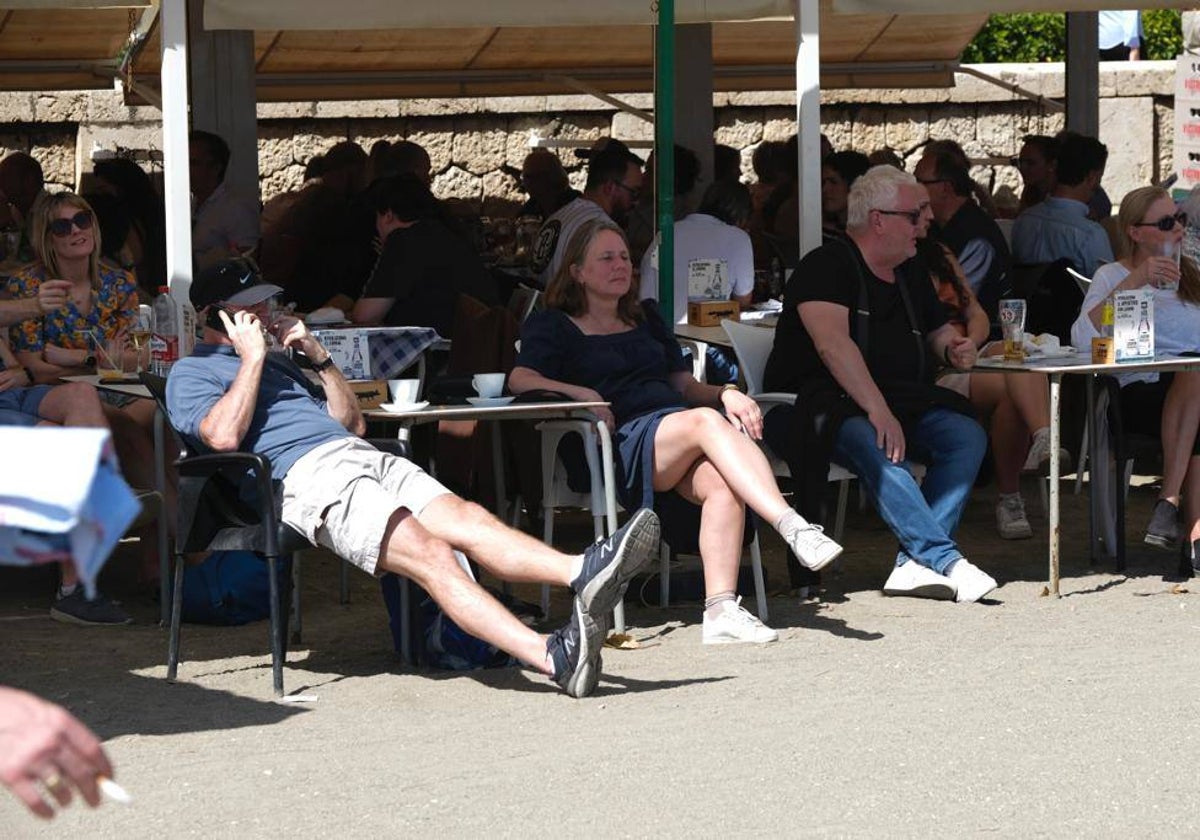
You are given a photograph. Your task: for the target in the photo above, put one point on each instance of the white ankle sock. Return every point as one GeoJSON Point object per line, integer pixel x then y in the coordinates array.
{"type": "Point", "coordinates": [714, 606]}
{"type": "Point", "coordinates": [576, 567]}
{"type": "Point", "coordinates": [790, 518]}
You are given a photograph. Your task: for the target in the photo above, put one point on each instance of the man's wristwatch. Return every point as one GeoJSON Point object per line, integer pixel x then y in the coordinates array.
{"type": "Point", "coordinates": [89, 360]}
{"type": "Point", "coordinates": [321, 367]}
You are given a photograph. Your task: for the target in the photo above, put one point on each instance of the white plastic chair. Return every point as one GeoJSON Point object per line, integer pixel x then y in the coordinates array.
{"type": "Point", "coordinates": [752, 345]}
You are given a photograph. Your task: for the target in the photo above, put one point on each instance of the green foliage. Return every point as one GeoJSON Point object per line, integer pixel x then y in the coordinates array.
{"type": "Point", "coordinates": [1021, 37]}
{"type": "Point", "coordinates": [1024, 38]}
{"type": "Point", "coordinates": [1162, 37]}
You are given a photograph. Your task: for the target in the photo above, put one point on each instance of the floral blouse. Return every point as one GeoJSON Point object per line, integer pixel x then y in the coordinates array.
{"type": "Point", "coordinates": [114, 308]}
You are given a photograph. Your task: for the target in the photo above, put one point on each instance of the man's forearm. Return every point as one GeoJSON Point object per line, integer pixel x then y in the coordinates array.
{"type": "Point", "coordinates": [341, 402]}
{"type": "Point", "coordinates": [16, 311]}
{"type": "Point", "coordinates": [848, 367]}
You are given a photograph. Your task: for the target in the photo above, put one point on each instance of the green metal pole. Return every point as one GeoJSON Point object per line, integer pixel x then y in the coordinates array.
{"type": "Point", "coordinates": [664, 153]}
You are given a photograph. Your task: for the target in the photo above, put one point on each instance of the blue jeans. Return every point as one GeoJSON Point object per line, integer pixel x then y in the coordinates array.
{"type": "Point", "coordinates": [923, 517]}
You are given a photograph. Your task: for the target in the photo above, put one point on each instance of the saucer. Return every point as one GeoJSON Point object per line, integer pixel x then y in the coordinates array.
{"type": "Point", "coordinates": [489, 402]}
{"type": "Point", "coordinates": [403, 408]}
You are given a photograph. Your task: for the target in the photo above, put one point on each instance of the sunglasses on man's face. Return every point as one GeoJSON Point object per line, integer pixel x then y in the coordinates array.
{"type": "Point", "coordinates": [62, 227]}
{"type": "Point", "coordinates": [1167, 223]}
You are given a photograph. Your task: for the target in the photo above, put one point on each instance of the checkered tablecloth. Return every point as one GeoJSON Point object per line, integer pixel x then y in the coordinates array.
{"type": "Point", "coordinates": [395, 349]}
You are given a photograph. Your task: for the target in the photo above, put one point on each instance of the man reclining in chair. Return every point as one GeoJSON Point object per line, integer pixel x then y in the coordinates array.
{"type": "Point", "coordinates": [379, 511]}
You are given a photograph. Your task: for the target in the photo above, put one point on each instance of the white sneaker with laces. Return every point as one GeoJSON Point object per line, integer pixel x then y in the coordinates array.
{"type": "Point", "coordinates": [735, 626]}
{"type": "Point", "coordinates": [971, 581]}
{"type": "Point", "coordinates": [810, 545]}
{"type": "Point", "coordinates": [1010, 519]}
{"type": "Point", "coordinates": [917, 581]}
{"type": "Point", "coordinates": [1038, 458]}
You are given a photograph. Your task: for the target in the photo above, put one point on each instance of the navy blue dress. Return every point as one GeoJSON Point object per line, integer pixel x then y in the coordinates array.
{"type": "Point", "coordinates": [631, 370]}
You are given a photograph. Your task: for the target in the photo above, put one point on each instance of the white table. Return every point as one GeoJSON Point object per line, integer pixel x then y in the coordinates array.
{"type": "Point", "coordinates": [160, 479]}
{"type": "Point", "coordinates": [717, 335]}
{"type": "Point", "coordinates": [1055, 369]}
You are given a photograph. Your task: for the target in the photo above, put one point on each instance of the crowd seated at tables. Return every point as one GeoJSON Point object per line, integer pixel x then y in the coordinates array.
{"type": "Point", "coordinates": [366, 234]}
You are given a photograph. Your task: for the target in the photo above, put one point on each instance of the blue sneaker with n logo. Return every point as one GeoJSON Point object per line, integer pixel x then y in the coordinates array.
{"type": "Point", "coordinates": [608, 564]}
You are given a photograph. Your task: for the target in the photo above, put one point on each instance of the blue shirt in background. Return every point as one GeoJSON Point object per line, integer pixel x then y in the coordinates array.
{"type": "Point", "coordinates": [1059, 228]}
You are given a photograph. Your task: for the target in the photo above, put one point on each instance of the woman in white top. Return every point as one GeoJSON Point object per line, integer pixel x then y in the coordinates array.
{"type": "Point", "coordinates": [1165, 405]}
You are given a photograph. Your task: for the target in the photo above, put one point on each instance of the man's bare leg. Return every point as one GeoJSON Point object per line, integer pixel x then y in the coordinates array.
{"type": "Point", "coordinates": [74, 404]}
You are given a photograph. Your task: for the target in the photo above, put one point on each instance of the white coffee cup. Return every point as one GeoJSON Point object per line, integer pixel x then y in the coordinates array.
{"type": "Point", "coordinates": [488, 384]}
{"type": "Point", "coordinates": [404, 391]}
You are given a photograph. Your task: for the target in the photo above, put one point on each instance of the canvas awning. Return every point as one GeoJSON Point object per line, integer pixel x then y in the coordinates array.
{"type": "Point", "coordinates": [46, 47]}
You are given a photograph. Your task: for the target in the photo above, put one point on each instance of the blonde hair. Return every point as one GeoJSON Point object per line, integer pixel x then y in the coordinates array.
{"type": "Point", "coordinates": [44, 210]}
{"type": "Point", "coordinates": [566, 293]}
{"type": "Point", "coordinates": [1133, 209]}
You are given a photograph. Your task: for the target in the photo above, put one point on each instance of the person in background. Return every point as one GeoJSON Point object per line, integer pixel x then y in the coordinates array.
{"type": "Point", "coordinates": [145, 241]}
{"type": "Point", "coordinates": [303, 251]}
{"type": "Point", "coordinates": [375, 157]}
{"type": "Point", "coordinates": [1119, 36]}
{"type": "Point", "coordinates": [21, 185]}
{"type": "Point", "coordinates": [1162, 405]}
{"type": "Point", "coordinates": [614, 184]}
{"type": "Point", "coordinates": [224, 222]}
{"type": "Point", "coordinates": [1037, 162]}
{"type": "Point", "coordinates": [1017, 403]}
{"type": "Point", "coordinates": [595, 341]}
{"type": "Point", "coordinates": [426, 263]}
{"type": "Point", "coordinates": [727, 163]}
{"type": "Point", "coordinates": [838, 172]}
{"type": "Point", "coordinates": [714, 236]}
{"type": "Point", "coordinates": [544, 180]}
{"type": "Point", "coordinates": [886, 156]}
{"type": "Point", "coordinates": [1059, 227]}
{"type": "Point", "coordinates": [44, 747]}
{"type": "Point", "coordinates": [978, 245]}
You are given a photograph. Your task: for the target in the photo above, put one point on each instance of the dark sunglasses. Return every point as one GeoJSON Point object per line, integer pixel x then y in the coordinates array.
{"type": "Point", "coordinates": [81, 220]}
{"type": "Point", "coordinates": [913, 216]}
{"type": "Point", "coordinates": [1166, 223]}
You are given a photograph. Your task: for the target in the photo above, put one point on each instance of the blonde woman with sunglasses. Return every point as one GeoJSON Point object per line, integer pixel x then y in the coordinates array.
{"type": "Point", "coordinates": [98, 303]}
{"type": "Point", "coordinates": [1149, 235]}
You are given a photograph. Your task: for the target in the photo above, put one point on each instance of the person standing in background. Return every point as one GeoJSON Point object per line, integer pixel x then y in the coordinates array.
{"type": "Point", "coordinates": [1120, 35]}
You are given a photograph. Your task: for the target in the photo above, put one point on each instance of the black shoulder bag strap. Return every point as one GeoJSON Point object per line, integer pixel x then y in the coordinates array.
{"type": "Point", "coordinates": [862, 313]}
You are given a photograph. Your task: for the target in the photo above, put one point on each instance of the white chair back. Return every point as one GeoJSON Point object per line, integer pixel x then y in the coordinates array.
{"type": "Point", "coordinates": [752, 345]}
{"type": "Point", "coordinates": [1082, 282]}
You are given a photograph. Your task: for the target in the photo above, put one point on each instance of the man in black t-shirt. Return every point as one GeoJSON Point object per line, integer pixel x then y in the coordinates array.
{"type": "Point", "coordinates": [866, 400]}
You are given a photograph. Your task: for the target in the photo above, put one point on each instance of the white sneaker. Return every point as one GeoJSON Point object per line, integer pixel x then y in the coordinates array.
{"type": "Point", "coordinates": [735, 625]}
{"type": "Point", "coordinates": [917, 581]}
{"type": "Point", "coordinates": [1039, 454]}
{"type": "Point", "coordinates": [1010, 519]}
{"type": "Point", "coordinates": [810, 545]}
{"type": "Point", "coordinates": [972, 582]}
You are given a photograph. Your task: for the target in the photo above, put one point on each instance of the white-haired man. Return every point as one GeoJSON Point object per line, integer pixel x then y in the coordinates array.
{"type": "Point", "coordinates": [856, 340]}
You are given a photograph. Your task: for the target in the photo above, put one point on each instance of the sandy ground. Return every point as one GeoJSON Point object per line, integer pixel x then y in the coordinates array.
{"type": "Point", "coordinates": [1022, 716]}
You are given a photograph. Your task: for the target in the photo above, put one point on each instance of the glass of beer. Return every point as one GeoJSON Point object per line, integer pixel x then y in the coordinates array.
{"type": "Point", "coordinates": [139, 335]}
{"type": "Point", "coordinates": [1012, 326]}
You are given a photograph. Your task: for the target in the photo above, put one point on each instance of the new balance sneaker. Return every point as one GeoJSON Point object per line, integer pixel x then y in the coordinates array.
{"type": "Point", "coordinates": [1163, 530]}
{"type": "Point", "coordinates": [574, 649]}
{"type": "Point", "coordinates": [971, 582]}
{"type": "Point", "coordinates": [1010, 518]}
{"type": "Point", "coordinates": [77, 609]}
{"type": "Point", "coordinates": [609, 564]}
{"type": "Point", "coordinates": [917, 581]}
{"type": "Point", "coordinates": [1038, 458]}
{"type": "Point", "coordinates": [810, 545]}
{"type": "Point", "coordinates": [735, 625]}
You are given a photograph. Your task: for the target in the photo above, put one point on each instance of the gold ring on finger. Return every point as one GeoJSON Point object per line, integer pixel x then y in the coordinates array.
{"type": "Point", "coordinates": [53, 782]}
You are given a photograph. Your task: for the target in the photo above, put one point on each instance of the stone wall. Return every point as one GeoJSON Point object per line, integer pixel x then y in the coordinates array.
{"type": "Point", "coordinates": [475, 143]}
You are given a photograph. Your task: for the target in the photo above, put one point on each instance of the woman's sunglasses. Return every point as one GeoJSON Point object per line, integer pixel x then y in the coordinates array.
{"type": "Point", "coordinates": [1166, 223]}
{"type": "Point", "coordinates": [81, 220]}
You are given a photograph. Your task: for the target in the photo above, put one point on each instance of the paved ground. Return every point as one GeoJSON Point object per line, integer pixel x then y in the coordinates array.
{"type": "Point", "coordinates": [872, 716]}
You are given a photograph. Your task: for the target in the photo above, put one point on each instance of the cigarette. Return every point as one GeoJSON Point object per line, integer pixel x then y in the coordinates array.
{"type": "Point", "coordinates": [114, 791]}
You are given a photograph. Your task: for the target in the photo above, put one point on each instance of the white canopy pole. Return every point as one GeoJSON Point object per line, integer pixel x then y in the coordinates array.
{"type": "Point", "coordinates": [808, 122]}
{"type": "Point", "coordinates": [177, 190]}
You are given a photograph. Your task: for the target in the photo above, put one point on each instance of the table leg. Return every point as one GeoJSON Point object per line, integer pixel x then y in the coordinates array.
{"type": "Point", "coordinates": [160, 484]}
{"type": "Point", "coordinates": [498, 473]}
{"type": "Point", "coordinates": [1055, 467]}
{"type": "Point", "coordinates": [1093, 538]}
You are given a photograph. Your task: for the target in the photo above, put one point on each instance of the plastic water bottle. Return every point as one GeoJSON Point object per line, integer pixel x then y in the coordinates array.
{"type": "Point", "coordinates": [164, 345]}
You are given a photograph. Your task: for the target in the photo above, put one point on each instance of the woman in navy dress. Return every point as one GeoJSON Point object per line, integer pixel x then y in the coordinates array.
{"type": "Point", "coordinates": [595, 341]}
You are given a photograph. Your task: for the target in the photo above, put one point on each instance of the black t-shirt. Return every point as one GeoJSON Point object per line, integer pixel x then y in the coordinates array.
{"type": "Point", "coordinates": [827, 274]}
{"type": "Point", "coordinates": [425, 268]}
